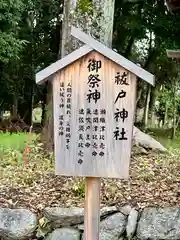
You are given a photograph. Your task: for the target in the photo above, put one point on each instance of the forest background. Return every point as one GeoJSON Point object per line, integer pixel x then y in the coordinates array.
{"type": "Point", "coordinates": [30, 40]}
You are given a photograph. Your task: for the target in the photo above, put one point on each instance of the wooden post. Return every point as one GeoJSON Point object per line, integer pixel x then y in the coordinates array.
{"type": "Point", "coordinates": [92, 208]}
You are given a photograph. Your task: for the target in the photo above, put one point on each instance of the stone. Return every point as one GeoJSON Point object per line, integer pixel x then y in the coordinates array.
{"type": "Point", "coordinates": [108, 210]}
{"type": "Point", "coordinates": [138, 150]}
{"type": "Point", "coordinates": [17, 224]}
{"type": "Point", "coordinates": [104, 212]}
{"type": "Point", "coordinates": [125, 210]}
{"type": "Point", "coordinates": [159, 223]}
{"type": "Point", "coordinates": [112, 227]}
{"type": "Point", "coordinates": [131, 224]}
{"type": "Point", "coordinates": [64, 234]}
{"type": "Point", "coordinates": [64, 217]}
{"type": "Point", "coordinates": [107, 236]}
{"type": "Point", "coordinates": [146, 141]}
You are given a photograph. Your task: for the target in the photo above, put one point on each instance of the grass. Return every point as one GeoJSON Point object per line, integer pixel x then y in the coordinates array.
{"type": "Point", "coordinates": [12, 148]}
{"type": "Point", "coordinates": [169, 143]}
{"type": "Point", "coordinates": [164, 137]}
{"type": "Point", "coordinates": [15, 141]}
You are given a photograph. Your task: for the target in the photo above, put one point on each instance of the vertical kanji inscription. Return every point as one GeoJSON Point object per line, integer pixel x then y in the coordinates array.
{"type": "Point", "coordinates": [120, 115]}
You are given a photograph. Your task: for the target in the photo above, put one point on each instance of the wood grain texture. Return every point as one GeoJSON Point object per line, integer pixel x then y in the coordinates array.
{"type": "Point", "coordinates": [92, 208]}
{"type": "Point", "coordinates": [42, 76]}
{"type": "Point", "coordinates": [116, 159]}
{"type": "Point", "coordinates": [109, 53]}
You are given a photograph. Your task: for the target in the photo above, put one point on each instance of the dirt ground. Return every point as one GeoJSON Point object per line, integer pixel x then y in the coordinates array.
{"type": "Point", "coordinates": [154, 181]}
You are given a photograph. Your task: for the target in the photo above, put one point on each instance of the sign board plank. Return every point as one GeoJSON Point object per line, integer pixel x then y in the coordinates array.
{"type": "Point", "coordinates": [94, 104]}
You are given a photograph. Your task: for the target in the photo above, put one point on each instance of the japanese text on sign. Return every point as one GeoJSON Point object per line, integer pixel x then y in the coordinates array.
{"type": "Point", "coordinates": [120, 115]}
{"type": "Point", "coordinates": [65, 107]}
{"type": "Point", "coordinates": [94, 122]}
{"type": "Point", "coordinates": [93, 80]}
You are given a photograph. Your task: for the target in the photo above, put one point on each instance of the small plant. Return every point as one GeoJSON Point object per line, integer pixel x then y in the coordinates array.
{"type": "Point", "coordinates": [79, 189]}
{"type": "Point", "coordinates": [43, 228]}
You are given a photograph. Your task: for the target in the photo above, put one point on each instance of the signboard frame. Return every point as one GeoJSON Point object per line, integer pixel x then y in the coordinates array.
{"type": "Point", "coordinates": [123, 65]}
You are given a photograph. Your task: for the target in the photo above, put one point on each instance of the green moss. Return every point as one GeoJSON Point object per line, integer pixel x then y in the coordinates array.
{"type": "Point", "coordinates": [84, 6]}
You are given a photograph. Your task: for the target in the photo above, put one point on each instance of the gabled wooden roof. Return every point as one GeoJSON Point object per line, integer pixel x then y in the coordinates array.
{"type": "Point", "coordinates": [42, 76]}
{"type": "Point", "coordinates": [92, 44]}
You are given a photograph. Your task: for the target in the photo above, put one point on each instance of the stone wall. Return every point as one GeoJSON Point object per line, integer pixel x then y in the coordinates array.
{"type": "Point", "coordinates": [67, 224]}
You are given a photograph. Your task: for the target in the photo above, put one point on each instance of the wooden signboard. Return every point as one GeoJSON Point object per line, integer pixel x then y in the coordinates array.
{"type": "Point", "coordinates": [94, 102]}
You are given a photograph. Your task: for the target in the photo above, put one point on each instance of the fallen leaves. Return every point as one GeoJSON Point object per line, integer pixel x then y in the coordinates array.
{"type": "Point", "coordinates": [154, 181]}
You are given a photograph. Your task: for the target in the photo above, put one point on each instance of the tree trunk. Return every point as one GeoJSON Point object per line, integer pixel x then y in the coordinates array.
{"type": "Point", "coordinates": [28, 114]}
{"type": "Point", "coordinates": [99, 24]}
{"type": "Point", "coordinates": [44, 98]}
{"type": "Point", "coordinates": [1, 115]}
{"type": "Point", "coordinates": [15, 107]}
{"type": "Point", "coordinates": [146, 110]}
{"type": "Point", "coordinates": [177, 124]}
{"type": "Point", "coordinates": [174, 125]}
{"type": "Point", "coordinates": [43, 113]}
{"type": "Point", "coordinates": [106, 21]}
{"type": "Point", "coordinates": [47, 132]}
{"type": "Point", "coordinates": [174, 111]}
{"type": "Point", "coordinates": [25, 104]}
{"type": "Point", "coordinates": [166, 115]}
{"type": "Point", "coordinates": [154, 94]}
{"type": "Point", "coordinates": [47, 135]}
